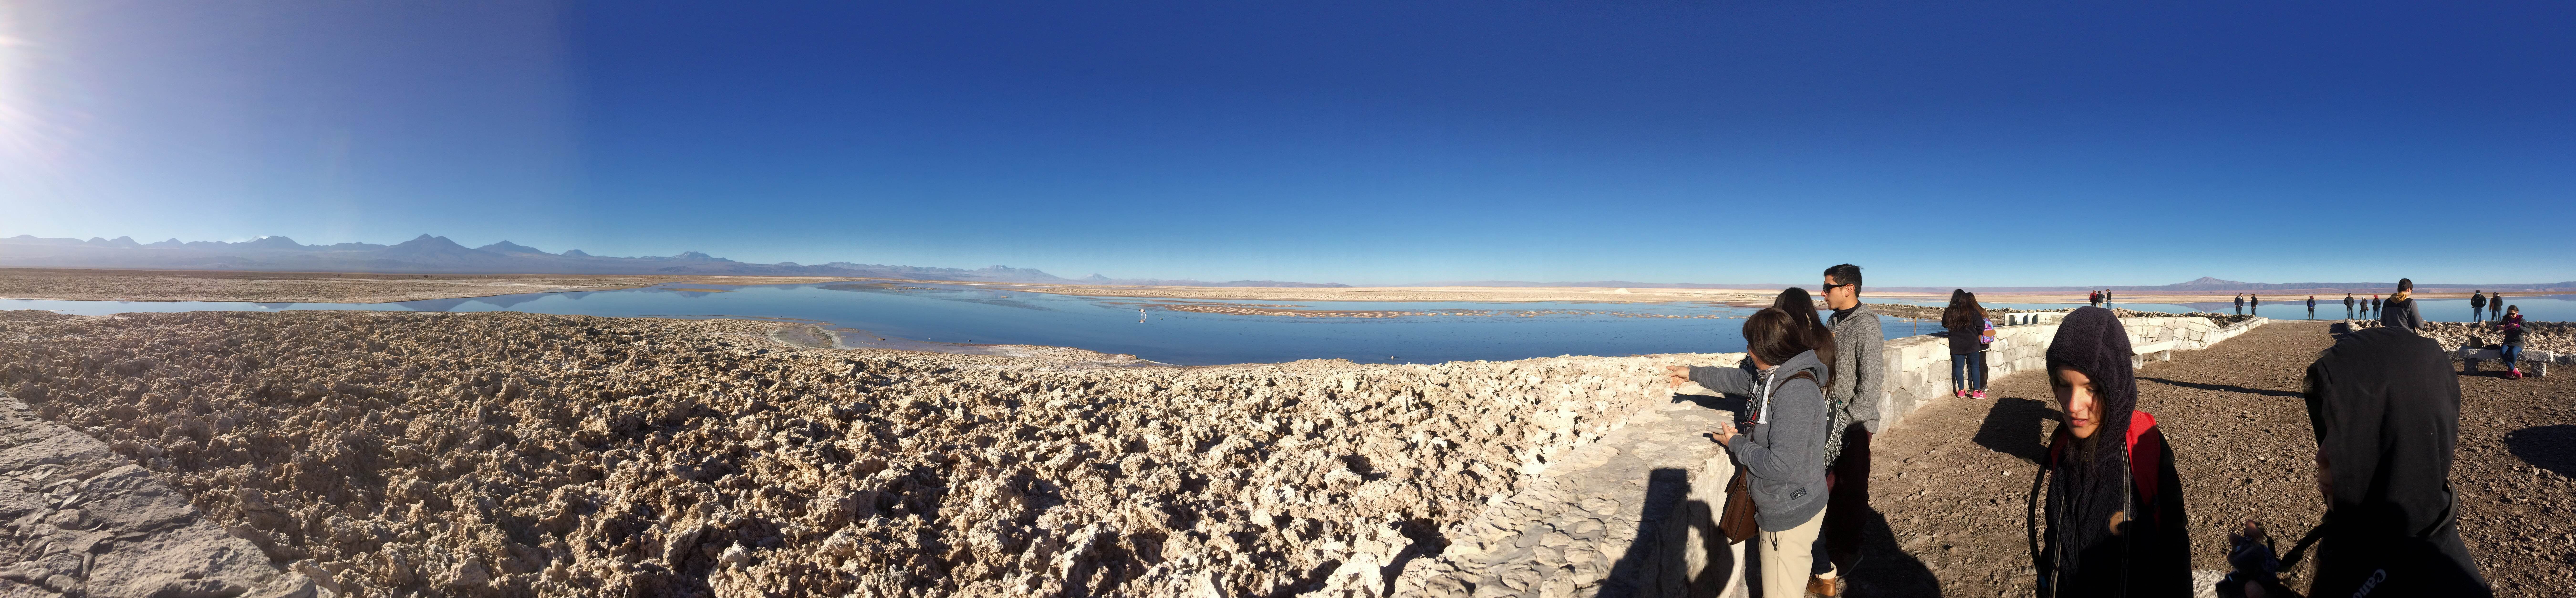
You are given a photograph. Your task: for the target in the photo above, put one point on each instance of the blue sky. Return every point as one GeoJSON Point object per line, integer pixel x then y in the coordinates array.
{"type": "Point", "coordinates": [1970, 144]}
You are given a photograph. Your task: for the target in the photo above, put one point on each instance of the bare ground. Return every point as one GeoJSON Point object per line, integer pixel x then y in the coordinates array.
{"type": "Point", "coordinates": [1954, 482]}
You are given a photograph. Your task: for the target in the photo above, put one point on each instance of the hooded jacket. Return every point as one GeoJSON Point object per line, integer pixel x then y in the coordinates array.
{"type": "Point", "coordinates": [2399, 312]}
{"type": "Point", "coordinates": [1860, 364]}
{"type": "Point", "coordinates": [2106, 534]}
{"type": "Point", "coordinates": [2385, 406]}
{"type": "Point", "coordinates": [1784, 451]}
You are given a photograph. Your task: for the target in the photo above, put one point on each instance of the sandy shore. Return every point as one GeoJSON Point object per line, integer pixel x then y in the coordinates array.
{"type": "Point", "coordinates": [321, 287]}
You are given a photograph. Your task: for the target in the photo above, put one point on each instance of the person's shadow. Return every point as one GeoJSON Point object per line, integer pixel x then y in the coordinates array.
{"type": "Point", "coordinates": [1673, 528]}
{"type": "Point", "coordinates": [1885, 569]}
{"type": "Point", "coordinates": [2550, 447]}
{"type": "Point", "coordinates": [2013, 427]}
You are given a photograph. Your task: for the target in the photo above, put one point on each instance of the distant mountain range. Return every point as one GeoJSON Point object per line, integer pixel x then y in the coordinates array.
{"type": "Point", "coordinates": [429, 254]}
{"type": "Point", "coordinates": [426, 254]}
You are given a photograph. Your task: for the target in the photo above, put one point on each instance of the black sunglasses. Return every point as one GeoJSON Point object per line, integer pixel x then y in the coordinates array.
{"type": "Point", "coordinates": [1829, 288]}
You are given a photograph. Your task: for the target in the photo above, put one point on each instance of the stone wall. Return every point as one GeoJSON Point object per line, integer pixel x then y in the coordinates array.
{"type": "Point", "coordinates": [1918, 367]}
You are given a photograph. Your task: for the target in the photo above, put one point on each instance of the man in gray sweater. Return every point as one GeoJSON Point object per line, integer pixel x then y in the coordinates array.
{"type": "Point", "coordinates": [1859, 385]}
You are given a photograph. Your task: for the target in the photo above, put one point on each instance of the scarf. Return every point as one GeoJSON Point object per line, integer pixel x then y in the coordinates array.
{"type": "Point", "coordinates": [2400, 296]}
{"type": "Point", "coordinates": [2088, 485]}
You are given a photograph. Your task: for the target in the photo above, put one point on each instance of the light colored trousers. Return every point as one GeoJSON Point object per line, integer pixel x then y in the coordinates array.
{"type": "Point", "coordinates": [1788, 558]}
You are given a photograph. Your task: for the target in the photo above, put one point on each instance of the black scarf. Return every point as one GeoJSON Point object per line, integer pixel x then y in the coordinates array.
{"type": "Point", "coordinates": [2385, 406]}
{"type": "Point", "coordinates": [2088, 486]}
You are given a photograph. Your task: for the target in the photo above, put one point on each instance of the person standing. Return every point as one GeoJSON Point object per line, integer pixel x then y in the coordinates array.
{"type": "Point", "coordinates": [2399, 311]}
{"type": "Point", "coordinates": [2312, 307]}
{"type": "Point", "coordinates": [2374, 307]}
{"type": "Point", "coordinates": [2511, 324]}
{"type": "Point", "coordinates": [1969, 331]}
{"type": "Point", "coordinates": [1783, 451]}
{"type": "Point", "coordinates": [2240, 304]}
{"type": "Point", "coordinates": [1858, 386]}
{"type": "Point", "coordinates": [2106, 298]}
{"type": "Point", "coordinates": [2495, 302]}
{"type": "Point", "coordinates": [2255, 302]}
{"type": "Point", "coordinates": [2385, 408]}
{"type": "Point", "coordinates": [2347, 306]}
{"type": "Point", "coordinates": [2114, 519]}
{"type": "Point", "coordinates": [2093, 299]}
{"type": "Point", "coordinates": [2478, 306]}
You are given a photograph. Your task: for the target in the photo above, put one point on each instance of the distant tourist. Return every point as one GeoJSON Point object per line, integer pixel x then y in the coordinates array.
{"type": "Point", "coordinates": [2399, 311]}
{"type": "Point", "coordinates": [2478, 306]}
{"type": "Point", "coordinates": [2374, 306]}
{"type": "Point", "coordinates": [1783, 452]}
{"type": "Point", "coordinates": [1859, 385]}
{"type": "Point", "coordinates": [2106, 298]}
{"type": "Point", "coordinates": [2114, 504]}
{"type": "Point", "coordinates": [2240, 304]}
{"type": "Point", "coordinates": [1969, 333]}
{"type": "Point", "coordinates": [2094, 298]}
{"type": "Point", "coordinates": [2511, 325]}
{"type": "Point", "coordinates": [2347, 306]}
{"type": "Point", "coordinates": [2385, 408]}
{"type": "Point", "coordinates": [2312, 307]}
{"type": "Point", "coordinates": [2496, 301]}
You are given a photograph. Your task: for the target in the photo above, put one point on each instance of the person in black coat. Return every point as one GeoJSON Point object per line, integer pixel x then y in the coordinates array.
{"type": "Point", "coordinates": [2114, 522]}
{"type": "Point", "coordinates": [2385, 407]}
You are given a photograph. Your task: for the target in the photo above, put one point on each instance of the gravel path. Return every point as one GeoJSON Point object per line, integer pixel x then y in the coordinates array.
{"type": "Point", "coordinates": [1954, 482]}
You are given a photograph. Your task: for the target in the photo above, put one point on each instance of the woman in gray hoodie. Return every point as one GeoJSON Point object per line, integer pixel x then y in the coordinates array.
{"type": "Point", "coordinates": [1783, 449]}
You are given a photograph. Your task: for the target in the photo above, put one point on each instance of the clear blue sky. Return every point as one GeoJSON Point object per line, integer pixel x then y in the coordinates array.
{"type": "Point", "coordinates": [1937, 143]}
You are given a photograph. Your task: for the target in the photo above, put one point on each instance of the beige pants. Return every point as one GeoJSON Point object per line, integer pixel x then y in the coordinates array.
{"type": "Point", "coordinates": [1787, 557]}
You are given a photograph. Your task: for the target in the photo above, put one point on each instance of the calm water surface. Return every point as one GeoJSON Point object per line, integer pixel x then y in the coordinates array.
{"type": "Point", "coordinates": [957, 317]}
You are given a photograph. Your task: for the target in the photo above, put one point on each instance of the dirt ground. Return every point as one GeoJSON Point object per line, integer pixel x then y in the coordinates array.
{"type": "Point", "coordinates": [320, 287]}
{"type": "Point", "coordinates": [1954, 482]}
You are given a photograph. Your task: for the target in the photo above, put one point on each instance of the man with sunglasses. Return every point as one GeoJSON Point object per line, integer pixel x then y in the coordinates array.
{"type": "Point", "coordinates": [1857, 387]}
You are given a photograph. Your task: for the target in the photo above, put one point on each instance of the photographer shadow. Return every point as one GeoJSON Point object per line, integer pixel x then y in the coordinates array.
{"type": "Point", "coordinates": [2016, 426]}
{"type": "Point", "coordinates": [2551, 447]}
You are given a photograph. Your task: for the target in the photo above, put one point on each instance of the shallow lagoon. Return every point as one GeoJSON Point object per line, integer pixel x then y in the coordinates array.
{"type": "Point", "coordinates": [935, 317]}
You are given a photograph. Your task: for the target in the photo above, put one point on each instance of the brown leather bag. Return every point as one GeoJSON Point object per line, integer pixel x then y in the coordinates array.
{"type": "Point", "coordinates": [1737, 520]}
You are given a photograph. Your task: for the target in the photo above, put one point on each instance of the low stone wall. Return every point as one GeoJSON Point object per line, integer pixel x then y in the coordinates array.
{"type": "Point", "coordinates": [79, 520]}
{"type": "Point", "coordinates": [1918, 367]}
{"type": "Point", "coordinates": [1633, 514]}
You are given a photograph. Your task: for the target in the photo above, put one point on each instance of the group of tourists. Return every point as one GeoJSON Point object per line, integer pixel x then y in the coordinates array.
{"type": "Point", "coordinates": [2480, 301]}
{"type": "Point", "coordinates": [2101, 298]}
{"type": "Point", "coordinates": [2367, 306]}
{"type": "Point", "coordinates": [2257, 302]}
{"type": "Point", "coordinates": [1803, 445]}
{"type": "Point", "coordinates": [2382, 402]}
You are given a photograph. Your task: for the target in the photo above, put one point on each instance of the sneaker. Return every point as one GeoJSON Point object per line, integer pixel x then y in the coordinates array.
{"type": "Point", "coordinates": [1977, 393]}
{"type": "Point", "coordinates": [2516, 374]}
{"type": "Point", "coordinates": [1958, 394]}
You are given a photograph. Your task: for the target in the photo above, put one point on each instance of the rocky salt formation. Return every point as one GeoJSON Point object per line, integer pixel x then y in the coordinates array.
{"type": "Point", "coordinates": [519, 454]}
{"type": "Point", "coordinates": [2554, 337]}
{"type": "Point", "coordinates": [78, 520]}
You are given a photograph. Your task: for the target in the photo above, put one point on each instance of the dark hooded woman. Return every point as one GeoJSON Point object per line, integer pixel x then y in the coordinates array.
{"type": "Point", "coordinates": [1783, 450]}
{"type": "Point", "coordinates": [2385, 407]}
{"type": "Point", "coordinates": [1846, 470]}
{"type": "Point", "coordinates": [2114, 521]}
{"type": "Point", "coordinates": [2399, 311]}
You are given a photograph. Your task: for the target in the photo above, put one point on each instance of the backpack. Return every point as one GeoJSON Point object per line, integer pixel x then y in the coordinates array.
{"type": "Point", "coordinates": [1835, 416]}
